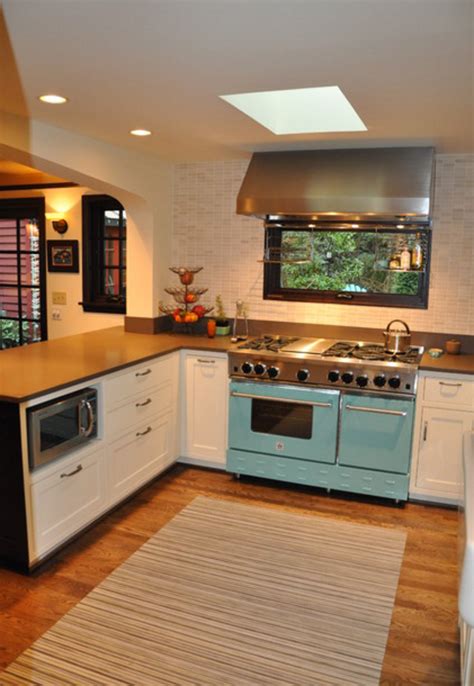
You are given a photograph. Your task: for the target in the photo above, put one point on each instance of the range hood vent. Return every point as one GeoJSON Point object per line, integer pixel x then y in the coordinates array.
{"type": "Point", "coordinates": [374, 184]}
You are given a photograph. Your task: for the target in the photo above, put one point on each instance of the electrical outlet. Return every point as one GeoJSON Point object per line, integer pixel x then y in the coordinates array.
{"type": "Point", "coordinates": [59, 298]}
{"type": "Point", "coordinates": [56, 314]}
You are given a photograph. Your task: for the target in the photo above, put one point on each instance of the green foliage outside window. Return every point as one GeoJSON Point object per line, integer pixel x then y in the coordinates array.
{"type": "Point", "coordinates": [354, 261]}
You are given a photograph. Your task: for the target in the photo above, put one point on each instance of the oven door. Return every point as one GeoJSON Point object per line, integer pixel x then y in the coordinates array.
{"type": "Point", "coordinates": [282, 420]}
{"type": "Point", "coordinates": [376, 432]}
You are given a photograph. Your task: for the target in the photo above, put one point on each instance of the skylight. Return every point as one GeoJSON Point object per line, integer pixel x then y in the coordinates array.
{"type": "Point", "coordinates": [300, 110]}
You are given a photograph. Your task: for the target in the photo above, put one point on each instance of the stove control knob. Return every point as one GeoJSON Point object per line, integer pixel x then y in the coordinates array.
{"type": "Point", "coordinates": [259, 369]}
{"type": "Point", "coordinates": [394, 382]}
{"type": "Point", "coordinates": [302, 375]}
{"type": "Point", "coordinates": [362, 381]}
{"type": "Point", "coordinates": [247, 367]}
{"type": "Point", "coordinates": [333, 376]}
{"type": "Point", "coordinates": [348, 377]}
{"type": "Point", "coordinates": [273, 372]}
{"type": "Point", "coordinates": [379, 380]}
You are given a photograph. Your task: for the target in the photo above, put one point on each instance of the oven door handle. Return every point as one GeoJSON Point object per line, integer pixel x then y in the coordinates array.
{"type": "Point", "coordinates": [375, 410]}
{"type": "Point", "coordinates": [281, 400]}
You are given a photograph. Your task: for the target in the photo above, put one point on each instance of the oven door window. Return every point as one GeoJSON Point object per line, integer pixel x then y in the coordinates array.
{"type": "Point", "coordinates": [59, 428]}
{"type": "Point", "coordinates": [282, 419]}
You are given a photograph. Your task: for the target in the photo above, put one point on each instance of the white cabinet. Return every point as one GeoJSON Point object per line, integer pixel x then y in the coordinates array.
{"type": "Point", "coordinates": [141, 425]}
{"type": "Point", "coordinates": [445, 411]}
{"type": "Point", "coordinates": [65, 496]}
{"type": "Point", "coordinates": [138, 420]}
{"type": "Point", "coordinates": [204, 393]}
{"type": "Point", "coordinates": [138, 456]}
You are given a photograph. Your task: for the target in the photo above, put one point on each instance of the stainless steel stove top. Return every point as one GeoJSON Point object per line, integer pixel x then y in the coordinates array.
{"type": "Point", "coordinates": [361, 365]}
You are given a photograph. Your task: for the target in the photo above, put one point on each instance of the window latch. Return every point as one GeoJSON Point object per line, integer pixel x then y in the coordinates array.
{"type": "Point", "coordinates": [344, 296]}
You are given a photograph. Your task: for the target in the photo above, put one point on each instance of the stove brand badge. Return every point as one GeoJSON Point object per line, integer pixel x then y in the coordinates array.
{"type": "Point", "coordinates": [279, 445]}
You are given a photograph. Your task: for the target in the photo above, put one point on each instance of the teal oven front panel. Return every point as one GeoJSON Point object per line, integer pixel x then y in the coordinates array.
{"type": "Point", "coordinates": [283, 420]}
{"type": "Point", "coordinates": [376, 433]}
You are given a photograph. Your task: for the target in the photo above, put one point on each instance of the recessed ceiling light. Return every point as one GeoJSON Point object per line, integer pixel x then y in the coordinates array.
{"type": "Point", "coordinates": [300, 110]}
{"type": "Point", "coordinates": [52, 99]}
{"type": "Point", "coordinates": [140, 132]}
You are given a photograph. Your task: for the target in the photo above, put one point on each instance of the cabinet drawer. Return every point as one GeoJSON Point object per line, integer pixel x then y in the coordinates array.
{"type": "Point", "coordinates": [138, 456]}
{"type": "Point", "coordinates": [65, 501]}
{"type": "Point", "coordinates": [138, 379]}
{"type": "Point", "coordinates": [449, 391]}
{"type": "Point", "coordinates": [138, 409]}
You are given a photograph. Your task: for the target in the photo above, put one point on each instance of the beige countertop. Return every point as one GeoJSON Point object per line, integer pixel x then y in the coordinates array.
{"type": "Point", "coordinates": [34, 370]}
{"type": "Point", "coordinates": [455, 364]}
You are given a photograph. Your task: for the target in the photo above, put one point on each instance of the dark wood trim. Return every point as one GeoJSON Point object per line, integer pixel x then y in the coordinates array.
{"type": "Point", "coordinates": [38, 186]}
{"type": "Point", "coordinates": [149, 325]}
{"type": "Point", "coordinates": [91, 301]}
{"type": "Point", "coordinates": [13, 525]}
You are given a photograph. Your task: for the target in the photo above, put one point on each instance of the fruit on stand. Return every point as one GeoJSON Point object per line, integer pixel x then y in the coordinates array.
{"type": "Point", "coordinates": [186, 311]}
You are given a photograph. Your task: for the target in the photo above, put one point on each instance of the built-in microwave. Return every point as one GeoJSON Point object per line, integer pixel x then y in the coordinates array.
{"type": "Point", "coordinates": [58, 426]}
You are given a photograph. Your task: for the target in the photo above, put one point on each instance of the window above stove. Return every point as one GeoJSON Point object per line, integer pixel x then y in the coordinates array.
{"type": "Point", "coordinates": [379, 266]}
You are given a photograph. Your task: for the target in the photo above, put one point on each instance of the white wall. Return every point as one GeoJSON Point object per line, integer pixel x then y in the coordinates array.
{"type": "Point", "coordinates": [207, 232]}
{"type": "Point", "coordinates": [73, 318]}
{"type": "Point", "coordinates": [141, 182]}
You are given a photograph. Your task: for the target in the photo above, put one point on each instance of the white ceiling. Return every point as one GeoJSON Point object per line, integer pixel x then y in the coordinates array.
{"type": "Point", "coordinates": [405, 65]}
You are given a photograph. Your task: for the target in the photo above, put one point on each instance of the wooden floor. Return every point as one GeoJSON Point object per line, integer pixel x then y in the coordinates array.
{"type": "Point", "coordinates": [423, 642]}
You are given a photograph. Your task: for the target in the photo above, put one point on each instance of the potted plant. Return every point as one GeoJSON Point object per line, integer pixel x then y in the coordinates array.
{"type": "Point", "coordinates": [222, 323]}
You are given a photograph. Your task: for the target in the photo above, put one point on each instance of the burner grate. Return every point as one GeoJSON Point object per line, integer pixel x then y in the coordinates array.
{"type": "Point", "coordinates": [267, 342]}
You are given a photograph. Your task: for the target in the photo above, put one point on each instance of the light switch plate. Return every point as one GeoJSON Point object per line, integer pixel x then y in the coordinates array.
{"type": "Point", "coordinates": [59, 298]}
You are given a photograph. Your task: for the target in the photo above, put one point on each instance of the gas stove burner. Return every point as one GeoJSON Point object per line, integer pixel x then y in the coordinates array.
{"type": "Point", "coordinates": [340, 349]}
{"type": "Point", "coordinates": [370, 352]}
{"type": "Point", "coordinates": [378, 353]}
{"type": "Point", "coordinates": [267, 342]}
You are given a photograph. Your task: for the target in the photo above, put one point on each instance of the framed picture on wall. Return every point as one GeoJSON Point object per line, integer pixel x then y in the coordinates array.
{"type": "Point", "coordinates": [63, 256]}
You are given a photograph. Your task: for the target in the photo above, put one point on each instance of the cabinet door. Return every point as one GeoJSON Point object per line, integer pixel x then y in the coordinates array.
{"type": "Point", "coordinates": [440, 450]}
{"type": "Point", "coordinates": [66, 500]}
{"type": "Point", "coordinates": [138, 456]}
{"type": "Point", "coordinates": [206, 391]}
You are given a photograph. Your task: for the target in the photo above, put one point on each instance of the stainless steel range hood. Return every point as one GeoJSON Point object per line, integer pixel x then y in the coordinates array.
{"type": "Point", "coordinates": [374, 184]}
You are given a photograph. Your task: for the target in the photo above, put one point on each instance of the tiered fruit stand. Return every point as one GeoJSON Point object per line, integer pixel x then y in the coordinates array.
{"type": "Point", "coordinates": [186, 309]}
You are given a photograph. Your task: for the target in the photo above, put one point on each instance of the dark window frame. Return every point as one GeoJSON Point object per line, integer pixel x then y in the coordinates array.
{"type": "Point", "coordinates": [21, 208]}
{"type": "Point", "coordinates": [93, 240]}
{"type": "Point", "coordinates": [273, 291]}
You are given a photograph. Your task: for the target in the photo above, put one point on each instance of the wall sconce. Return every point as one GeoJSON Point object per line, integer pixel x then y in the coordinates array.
{"type": "Point", "coordinates": [59, 223]}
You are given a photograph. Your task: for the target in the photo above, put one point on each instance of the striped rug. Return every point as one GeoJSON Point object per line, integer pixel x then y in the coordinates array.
{"type": "Point", "coordinates": [230, 594]}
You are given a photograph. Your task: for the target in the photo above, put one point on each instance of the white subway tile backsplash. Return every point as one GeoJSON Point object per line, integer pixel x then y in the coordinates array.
{"type": "Point", "coordinates": [207, 232]}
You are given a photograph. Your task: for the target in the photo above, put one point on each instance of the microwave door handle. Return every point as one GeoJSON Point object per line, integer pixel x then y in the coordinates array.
{"type": "Point", "coordinates": [86, 430]}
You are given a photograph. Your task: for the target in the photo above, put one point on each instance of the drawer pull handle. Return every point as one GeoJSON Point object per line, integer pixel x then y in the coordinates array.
{"type": "Point", "coordinates": [145, 373]}
{"type": "Point", "coordinates": [290, 401]}
{"type": "Point", "coordinates": [144, 403]}
{"type": "Point", "coordinates": [425, 431]}
{"type": "Point", "coordinates": [453, 385]}
{"type": "Point", "coordinates": [75, 471]}
{"type": "Point", "coordinates": [206, 361]}
{"type": "Point", "coordinates": [144, 433]}
{"type": "Point", "coordinates": [376, 410]}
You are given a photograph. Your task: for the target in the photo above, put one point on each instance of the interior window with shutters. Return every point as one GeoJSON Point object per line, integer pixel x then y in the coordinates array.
{"type": "Point", "coordinates": [104, 234]}
{"type": "Point", "coordinates": [386, 266]}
